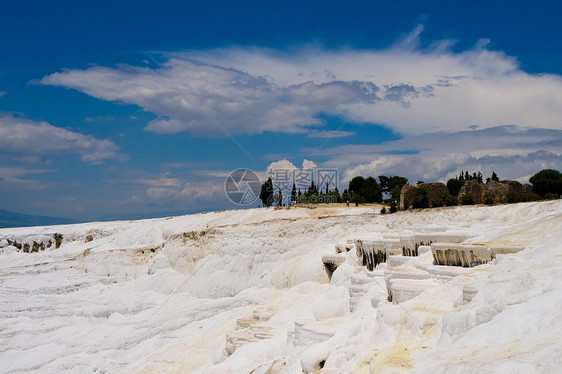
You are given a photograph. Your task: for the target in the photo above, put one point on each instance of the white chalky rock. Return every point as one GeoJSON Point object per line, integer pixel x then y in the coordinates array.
{"type": "Point", "coordinates": [406, 282]}
{"type": "Point", "coordinates": [406, 289]}
{"type": "Point", "coordinates": [424, 249]}
{"type": "Point", "coordinates": [408, 244]}
{"type": "Point", "coordinates": [505, 249]}
{"type": "Point", "coordinates": [427, 238]}
{"type": "Point", "coordinates": [460, 254]}
{"type": "Point", "coordinates": [470, 289]}
{"type": "Point", "coordinates": [309, 332]}
{"type": "Point", "coordinates": [92, 306]}
{"type": "Point", "coordinates": [398, 260]}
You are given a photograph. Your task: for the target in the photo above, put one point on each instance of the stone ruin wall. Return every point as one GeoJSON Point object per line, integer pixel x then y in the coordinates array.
{"type": "Point", "coordinates": [472, 192]}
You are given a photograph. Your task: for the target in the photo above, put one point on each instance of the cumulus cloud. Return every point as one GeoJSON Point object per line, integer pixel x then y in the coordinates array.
{"type": "Point", "coordinates": [23, 137]}
{"type": "Point", "coordinates": [404, 87]}
{"type": "Point", "coordinates": [281, 164]}
{"type": "Point", "coordinates": [473, 109]}
{"type": "Point", "coordinates": [418, 91]}
{"type": "Point", "coordinates": [285, 164]}
{"type": "Point", "coordinates": [307, 164]}
{"type": "Point", "coordinates": [209, 100]}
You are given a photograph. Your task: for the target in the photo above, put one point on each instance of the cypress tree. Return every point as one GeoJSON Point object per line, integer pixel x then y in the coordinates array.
{"type": "Point", "coordinates": [294, 193]}
{"type": "Point", "coordinates": [266, 193]}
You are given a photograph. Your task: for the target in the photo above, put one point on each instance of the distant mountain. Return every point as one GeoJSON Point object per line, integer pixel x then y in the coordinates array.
{"type": "Point", "coordinates": [14, 219]}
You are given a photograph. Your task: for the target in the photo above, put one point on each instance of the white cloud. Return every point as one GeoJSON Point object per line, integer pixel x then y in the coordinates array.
{"type": "Point", "coordinates": [252, 90]}
{"type": "Point", "coordinates": [288, 165]}
{"type": "Point", "coordinates": [206, 99]}
{"type": "Point", "coordinates": [329, 134]}
{"type": "Point", "coordinates": [514, 153]}
{"type": "Point", "coordinates": [420, 91]}
{"type": "Point", "coordinates": [281, 165]}
{"type": "Point", "coordinates": [23, 137]}
{"type": "Point", "coordinates": [167, 190]}
{"type": "Point", "coordinates": [307, 164]}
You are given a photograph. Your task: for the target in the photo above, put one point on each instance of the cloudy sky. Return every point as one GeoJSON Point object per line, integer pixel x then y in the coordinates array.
{"type": "Point", "coordinates": [131, 109]}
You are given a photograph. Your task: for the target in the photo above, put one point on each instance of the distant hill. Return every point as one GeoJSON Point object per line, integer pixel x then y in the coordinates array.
{"type": "Point", "coordinates": [14, 219]}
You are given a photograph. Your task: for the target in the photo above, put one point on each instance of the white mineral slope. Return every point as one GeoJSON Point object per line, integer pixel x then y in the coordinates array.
{"type": "Point", "coordinates": [167, 295]}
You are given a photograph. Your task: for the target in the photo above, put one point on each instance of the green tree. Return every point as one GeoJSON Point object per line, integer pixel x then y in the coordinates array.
{"type": "Point", "coordinates": [311, 187]}
{"type": "Point", "coordinates": [454, 186]}
{"type": "Point", "coordinates": [495, 177]}
{"type": "Point", "coordinates": [355, 187]}
{"type": "Point", "coordinates": [387, 184]}
{"type": "Point", "coordinates": [384, 182]}
{"type": "Point", "coordinates": [294, 193]}
{"type": "Point", "coordinates": [395, 193]}
{"type": "Point", "coordinates": [345, 196]}
{"type": "Point", "coordinates": [266, 193]}
{"type": "Point", "coordinates": [371, 191]}
{"type": "Point", "coordinates": [547, 181]}
{"type": "Point", "coordinates": [356, 184]}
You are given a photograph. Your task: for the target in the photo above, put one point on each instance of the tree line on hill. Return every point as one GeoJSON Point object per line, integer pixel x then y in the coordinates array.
{"type": "Point", "coordinates": [454, 185]}
{"type": "Point", "coordinates": [360, 191]}
{"type": "Point", "coordinates": [546, 184]}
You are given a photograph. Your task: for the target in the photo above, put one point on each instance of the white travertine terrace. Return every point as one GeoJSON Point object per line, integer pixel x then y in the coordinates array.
{"type": "Point", "coordinates": [248, 291]}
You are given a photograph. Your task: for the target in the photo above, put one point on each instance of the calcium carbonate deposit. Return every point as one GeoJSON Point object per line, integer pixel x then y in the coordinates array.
{"type": "Point", "coordinates": [473, 289]}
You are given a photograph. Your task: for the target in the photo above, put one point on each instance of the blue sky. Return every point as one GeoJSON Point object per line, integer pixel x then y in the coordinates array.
{"type": "Point", "coordinates": [127, 109]}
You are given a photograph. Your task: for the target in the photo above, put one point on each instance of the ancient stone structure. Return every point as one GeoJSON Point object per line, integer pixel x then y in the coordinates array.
{"type": "Point", "coordinates": [496, 192]}
{"type": "Point", "coordinates": [424, 195]}
{"type": "Point", "coordinates": [406, 196]}
{"type": "Point", "coordinates": [428, 195]}
{"type": "Point", "coordinates": [471, 192]}
{"type": "Point", "coordinates": [493, 192]}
